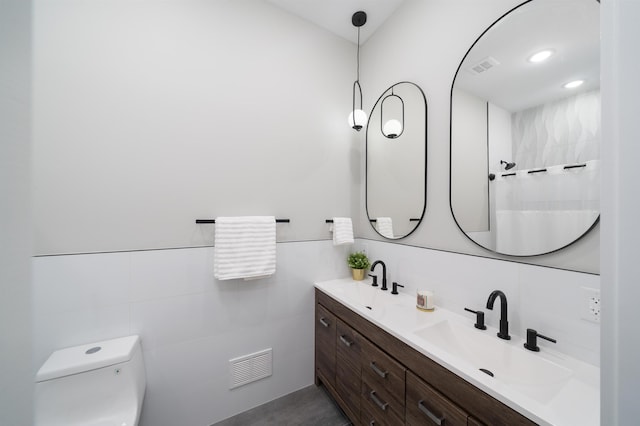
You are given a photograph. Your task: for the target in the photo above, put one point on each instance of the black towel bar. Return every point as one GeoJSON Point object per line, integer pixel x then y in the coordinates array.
{"type": "Point", "coordinates": [537, 171]}
{"type": "Point", "coordinates": [413, 219]}
{"type": "Point", "coordinates": [214, 221]}
{"type": "Point", "coordinates": [573, 166]}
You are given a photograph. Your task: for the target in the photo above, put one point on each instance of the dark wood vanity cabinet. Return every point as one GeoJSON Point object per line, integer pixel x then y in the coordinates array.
{"type": "Point", "coordinates": [379, 380]}
{"type": "Point", "coordinates": [473, 422]}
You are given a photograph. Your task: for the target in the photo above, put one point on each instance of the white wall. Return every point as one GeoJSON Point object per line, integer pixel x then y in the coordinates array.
{"type": "Point", "coordinates": [190, 324]}
{"type": "Point", "coordinates": [149, 115]}
{"type": "Point", "coordinates": [620, 229]}
{"type": "Point", "coordinates": [15, 221]}
{"type": "Point", "coordinates": [424, 42]}
{"type": "Point", "coordinates": [470, 196]}
{"type": "Point", "coordinates": [500, 137]}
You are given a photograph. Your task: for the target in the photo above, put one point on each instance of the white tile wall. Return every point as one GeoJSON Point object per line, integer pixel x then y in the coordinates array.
{"type": "Point", "coordinates": [542, 298]}
{"type": "Point", "coordinates": [190, 324]}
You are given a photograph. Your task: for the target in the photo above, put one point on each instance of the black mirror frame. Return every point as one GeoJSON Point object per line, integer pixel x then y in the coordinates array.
{"type": "Point", "coordinates": [426, 146]}
{"type": "Point", "coordinates": [595, 223]}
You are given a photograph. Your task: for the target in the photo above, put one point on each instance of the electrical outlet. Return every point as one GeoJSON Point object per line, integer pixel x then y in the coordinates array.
{"type": "Point", "coordinates": [590, 304]}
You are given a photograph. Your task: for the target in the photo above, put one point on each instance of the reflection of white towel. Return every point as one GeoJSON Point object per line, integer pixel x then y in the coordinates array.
{"type": "Point", "coordinates": [342, 231]}
{"type": "Point", "coordinates": [245, 247]}
{"type": "Point", "coordinates": [385, 226]}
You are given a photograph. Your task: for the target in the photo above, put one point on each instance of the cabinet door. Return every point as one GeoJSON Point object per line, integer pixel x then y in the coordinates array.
{"type": "Point", "coordinates": [426, 406]}
{"type": "Point", "coordinates": [325, 345]}
{"type": "Point", "coordinates": [348, 348]}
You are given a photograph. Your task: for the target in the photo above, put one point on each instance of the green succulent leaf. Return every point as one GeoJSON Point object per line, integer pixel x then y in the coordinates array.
{"type": "Point", "coordinates": [358, 260]}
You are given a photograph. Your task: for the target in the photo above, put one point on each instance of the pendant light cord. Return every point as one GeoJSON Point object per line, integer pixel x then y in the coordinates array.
{"type": "Point", "coordinates": [358, 58]}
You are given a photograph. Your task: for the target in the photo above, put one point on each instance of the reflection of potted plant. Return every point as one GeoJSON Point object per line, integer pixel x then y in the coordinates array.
{"type": "Point", "coordinates": [358, 262]}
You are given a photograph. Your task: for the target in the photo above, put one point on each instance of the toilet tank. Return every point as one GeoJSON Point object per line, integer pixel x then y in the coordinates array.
{"type": "Point", "coordinates": [100, 383]}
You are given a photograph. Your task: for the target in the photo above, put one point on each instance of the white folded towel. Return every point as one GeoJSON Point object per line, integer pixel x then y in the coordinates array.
{"type": "Point", "coordinates": [342, 231]}
{"type": "Point", "coordinates": [385, 226]}
{"type": "Point", "coordinates": [245, 247]}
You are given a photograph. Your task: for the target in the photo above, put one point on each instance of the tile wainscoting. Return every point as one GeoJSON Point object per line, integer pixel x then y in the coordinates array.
{"type": "Point", "coordinates": [191, 325]}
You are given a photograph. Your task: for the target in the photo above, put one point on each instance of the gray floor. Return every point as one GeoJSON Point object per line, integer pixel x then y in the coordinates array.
{"type": "Point", "coordinates": [310, 406]}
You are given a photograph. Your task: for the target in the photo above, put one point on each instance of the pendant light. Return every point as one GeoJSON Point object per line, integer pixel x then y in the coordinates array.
{"type": "Point", "coordinates": [392, 128]}
{"type": "Point", "coordinates": [357, 117]}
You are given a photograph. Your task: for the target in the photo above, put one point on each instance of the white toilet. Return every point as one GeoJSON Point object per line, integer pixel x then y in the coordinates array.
{"type": "Point", "coordinates": [97, 384]}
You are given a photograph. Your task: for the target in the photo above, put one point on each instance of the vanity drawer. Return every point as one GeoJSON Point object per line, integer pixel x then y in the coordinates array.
{"type": "Point", "coordinates": [382, 370]}
{"type": "Point", "coordinates": [378, 401]}
{"type": "Point", "coordinates": [368, 418]}
{"type": "Point", "coordinates": [326, 344]}
{"type": "Point", "coordinates": [426, 406]}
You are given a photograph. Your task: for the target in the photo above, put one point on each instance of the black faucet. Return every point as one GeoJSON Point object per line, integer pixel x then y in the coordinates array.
{"type": "Point", "coordinates": [384, 273]}
{"type": "Point", "coordinates": [504, 324]}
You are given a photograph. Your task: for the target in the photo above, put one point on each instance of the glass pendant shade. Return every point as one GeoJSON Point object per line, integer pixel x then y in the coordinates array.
{"type": "Point", "coordinates": [360, 119]}
{"type": "Point", "coordinates": [392, 128]}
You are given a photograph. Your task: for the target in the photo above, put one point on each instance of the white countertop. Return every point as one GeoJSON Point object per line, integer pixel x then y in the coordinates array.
{"type": "Point", "coordinates": [568, 399]}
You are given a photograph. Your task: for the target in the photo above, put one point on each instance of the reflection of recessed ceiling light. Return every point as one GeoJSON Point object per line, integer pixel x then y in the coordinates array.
{"type": "Point", "coordinates": [573, 84]}
{"type": "Point", "coordinates": [541, 56]}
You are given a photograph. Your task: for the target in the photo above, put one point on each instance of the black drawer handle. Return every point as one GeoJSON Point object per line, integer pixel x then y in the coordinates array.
{"type": "Point", "coordinates": [324, 322]}
{"type": "Point", "coordinates": [379, 372]}
{"type": "Point", "coordinates": [437, 420]}
{"type": "Point", "coordinates": [345, 341]}
{"type": "Point", "coordinates": [374, 398]}
{"type": "Point", "coordinates": [372, 423]}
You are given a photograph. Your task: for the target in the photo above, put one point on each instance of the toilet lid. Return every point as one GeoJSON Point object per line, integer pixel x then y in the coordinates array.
{"type": "Point", "coordinates": [91, 356]}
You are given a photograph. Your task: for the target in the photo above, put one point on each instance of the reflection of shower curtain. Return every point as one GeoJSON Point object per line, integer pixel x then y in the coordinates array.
{"type": "Point", "coordinates": [540, 212]}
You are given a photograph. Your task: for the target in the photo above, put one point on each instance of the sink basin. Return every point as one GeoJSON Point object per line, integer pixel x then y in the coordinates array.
{"type": "Point", "coordinates": [362, 295]}
{"type": "Point", "coordinates": [510, 364]}
{"type": "Point", "coordinates": [374, 303]}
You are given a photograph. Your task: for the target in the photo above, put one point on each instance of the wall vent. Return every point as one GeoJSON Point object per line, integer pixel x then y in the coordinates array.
{"type": "Point", "coordinates": [484, 65]}
{"type": "Point", "coordinates": [249, 368]}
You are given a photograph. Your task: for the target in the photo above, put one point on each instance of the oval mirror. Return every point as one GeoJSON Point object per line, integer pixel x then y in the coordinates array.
{"type": "Point", "coordinates": [396, 161]}
{"type": "Point", "coordinates": [525, 129]}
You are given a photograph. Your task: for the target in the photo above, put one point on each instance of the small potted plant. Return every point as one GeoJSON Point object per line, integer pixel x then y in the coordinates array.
{"type": "Point", "coordinates": [358, 262]}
